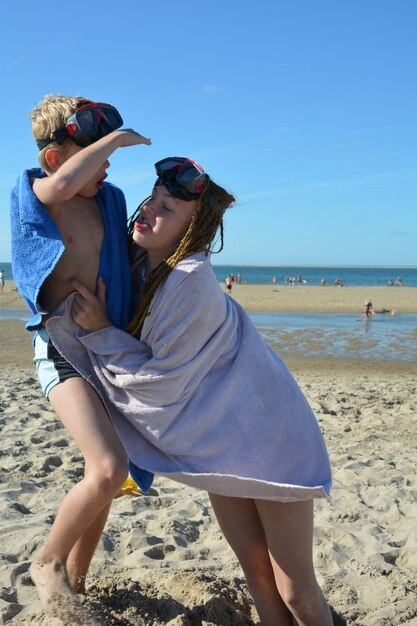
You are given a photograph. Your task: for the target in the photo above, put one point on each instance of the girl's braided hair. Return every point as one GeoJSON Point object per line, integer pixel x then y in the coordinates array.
{"type": "Point", "coordinates": [200, 236]}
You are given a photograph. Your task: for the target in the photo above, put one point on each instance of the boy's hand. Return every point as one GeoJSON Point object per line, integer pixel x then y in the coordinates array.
{"type": "Point", "coordinates": [88, 310]}
{"type": "Point", "coordinates": [129, 137]}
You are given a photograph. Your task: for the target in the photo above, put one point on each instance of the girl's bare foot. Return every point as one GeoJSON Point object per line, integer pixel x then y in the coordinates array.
{"type": "Point", "coordinates": [75, 580]}
{"type": "Point", "coordinates": [51, 581]}
{"type": "Point", "coordinates": [57, 596]}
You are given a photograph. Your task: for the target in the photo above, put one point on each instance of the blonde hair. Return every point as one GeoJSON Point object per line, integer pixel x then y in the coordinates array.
{"type": "Point", "coordinates": [48, 116]}
{"type": "Point", "coordinates": [200, 236]}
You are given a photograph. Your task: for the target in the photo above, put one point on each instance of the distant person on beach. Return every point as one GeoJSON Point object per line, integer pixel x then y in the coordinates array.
{"type": "Point", "coordinates": [399, 282]}
{"type": "Point", "coordinates": [197, 395]}
{"type": "Point", "coordinates": [390, 282]}
{"type": "Point", "coordinates": [275, 280]}
{"type": "Point", "coordinates": [239, 278]}
{"type": "Point", "coordinates": [367, 310]}
{"type": "Point", "coordinates": [323, 282]}
{"type": "Point", "coordinates": [390, 313]}
{"type": "Point", "coordinates": [1, 280]}
{"type": "Point", "coordinates": [229, 284]}
{"type": "Point", "coordinates": [74, 224]}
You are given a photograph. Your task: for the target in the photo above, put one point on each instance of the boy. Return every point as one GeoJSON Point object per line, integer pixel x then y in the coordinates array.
{"type": "Point", "coordinates": [67, 222]}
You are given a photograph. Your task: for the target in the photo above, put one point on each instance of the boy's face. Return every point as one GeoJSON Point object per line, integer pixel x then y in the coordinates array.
{"type": "Point", "coordinates": [91, 188]}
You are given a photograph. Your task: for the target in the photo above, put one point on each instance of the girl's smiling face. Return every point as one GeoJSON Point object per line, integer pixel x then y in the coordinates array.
{"type": "Point", "coordinates": [161, 224]}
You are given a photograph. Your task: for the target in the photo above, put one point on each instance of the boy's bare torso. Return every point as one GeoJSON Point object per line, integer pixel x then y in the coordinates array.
{"type": "Point", "coordinates": [81, 226]}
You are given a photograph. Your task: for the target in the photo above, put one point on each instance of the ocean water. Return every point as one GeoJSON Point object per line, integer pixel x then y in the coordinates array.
{"type": "Point", "coordinates": [350, 276]}
{"type": "Point", "coordinates": [353, 276]}
{"type": "Point", "coordinates": [21, 314]}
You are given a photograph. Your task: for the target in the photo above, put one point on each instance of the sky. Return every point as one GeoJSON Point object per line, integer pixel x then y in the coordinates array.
{"type": "Point", "coordinates": [305, 110]}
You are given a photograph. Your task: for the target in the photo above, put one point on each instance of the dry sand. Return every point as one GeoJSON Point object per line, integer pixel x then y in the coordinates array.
{"type": "Point", "coordinates": [305, 298]}
{"type": "Point", "coordinates": [324, 299]}
{"type": "Point", "coordinates": [10, 297]}
{"type": "Point", "coordinates": [162, 558]}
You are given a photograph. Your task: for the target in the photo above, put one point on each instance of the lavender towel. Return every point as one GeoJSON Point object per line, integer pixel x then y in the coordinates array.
{"type": "Point", "coordinates": [201, 398]}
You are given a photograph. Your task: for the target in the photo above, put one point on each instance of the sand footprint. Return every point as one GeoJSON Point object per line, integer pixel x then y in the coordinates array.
{"type": "Point", "coordinates": [9, 604]}
{"type": "Point", "coordinates": [159, 551]}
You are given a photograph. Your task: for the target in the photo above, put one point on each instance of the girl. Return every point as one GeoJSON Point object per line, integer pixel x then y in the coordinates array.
{"type": "Point", "coordinates": [195, 394]}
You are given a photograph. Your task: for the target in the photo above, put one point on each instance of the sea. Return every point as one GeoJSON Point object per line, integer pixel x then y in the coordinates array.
{"type": "Point", "coordinates": [352, 276]}
{"type": "Point", "coordinates": [320, 335]}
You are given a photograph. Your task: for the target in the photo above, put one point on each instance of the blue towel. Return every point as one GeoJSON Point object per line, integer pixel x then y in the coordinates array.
{"type": "Point", "coordinates": [142, 477]}
{"type": "Point", "coordinates": [37, 247]}
{"type": "Point", "coordinates": [36, 243]}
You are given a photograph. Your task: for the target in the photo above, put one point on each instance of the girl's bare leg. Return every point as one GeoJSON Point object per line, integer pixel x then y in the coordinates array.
{"type": "Point", "coordinates": [239, 520]}
{"type": "Point", "coordinates": [79, 559]}
{"type": "Point", "coordinates": [82, 413]}
{"type": "Point", "coordinates": [288, 530]}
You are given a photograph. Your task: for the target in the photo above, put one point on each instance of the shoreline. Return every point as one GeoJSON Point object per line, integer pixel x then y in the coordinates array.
{"type": "Point", "coordinates": [16, 352]}
{"type": "Point", "coordinates": [16, 346]}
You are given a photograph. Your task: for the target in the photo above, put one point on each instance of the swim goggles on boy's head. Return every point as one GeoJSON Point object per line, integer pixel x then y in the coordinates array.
{"type": "Point", "coordinates": [183, 177]}
{"type": "Point", "coordinates": [86, 125]}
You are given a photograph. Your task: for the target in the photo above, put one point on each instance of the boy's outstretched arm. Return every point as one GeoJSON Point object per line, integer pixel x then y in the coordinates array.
{"type": "Point", "coordinates": [80, 168]}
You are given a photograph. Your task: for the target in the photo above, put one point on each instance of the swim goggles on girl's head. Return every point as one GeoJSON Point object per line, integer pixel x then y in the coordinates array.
{"type": "Point", "coordinates": [183, 177]}
{"type": "Point", "coordinates": [86, 125]}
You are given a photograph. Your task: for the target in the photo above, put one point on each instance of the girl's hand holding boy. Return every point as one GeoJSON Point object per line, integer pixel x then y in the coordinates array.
{"type": "Point", "coordinates": [89, 310]}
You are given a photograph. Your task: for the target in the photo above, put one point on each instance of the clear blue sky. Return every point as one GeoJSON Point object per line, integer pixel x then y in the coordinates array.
{"type": "Point", "coordinates": [306, 110]}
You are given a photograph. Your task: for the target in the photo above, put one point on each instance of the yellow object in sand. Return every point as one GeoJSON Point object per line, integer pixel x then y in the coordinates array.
{"type": "Point", "coordinates": [130, 488]}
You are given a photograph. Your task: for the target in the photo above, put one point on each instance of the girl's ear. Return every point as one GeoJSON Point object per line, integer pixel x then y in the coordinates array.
{"type": "Point", "coordinates": [53, 158]}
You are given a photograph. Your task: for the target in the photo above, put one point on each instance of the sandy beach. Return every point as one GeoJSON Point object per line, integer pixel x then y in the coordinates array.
{"type": "Point", "coordinates": [162, 558]}
{"type": "Point", "coordinates": [269, 298]}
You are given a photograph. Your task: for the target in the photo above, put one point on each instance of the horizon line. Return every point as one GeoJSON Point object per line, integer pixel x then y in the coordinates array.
{"type": "Point", "coordinates": [411, 267]}
{"type": "Point", "coordinates": [293, 265]}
